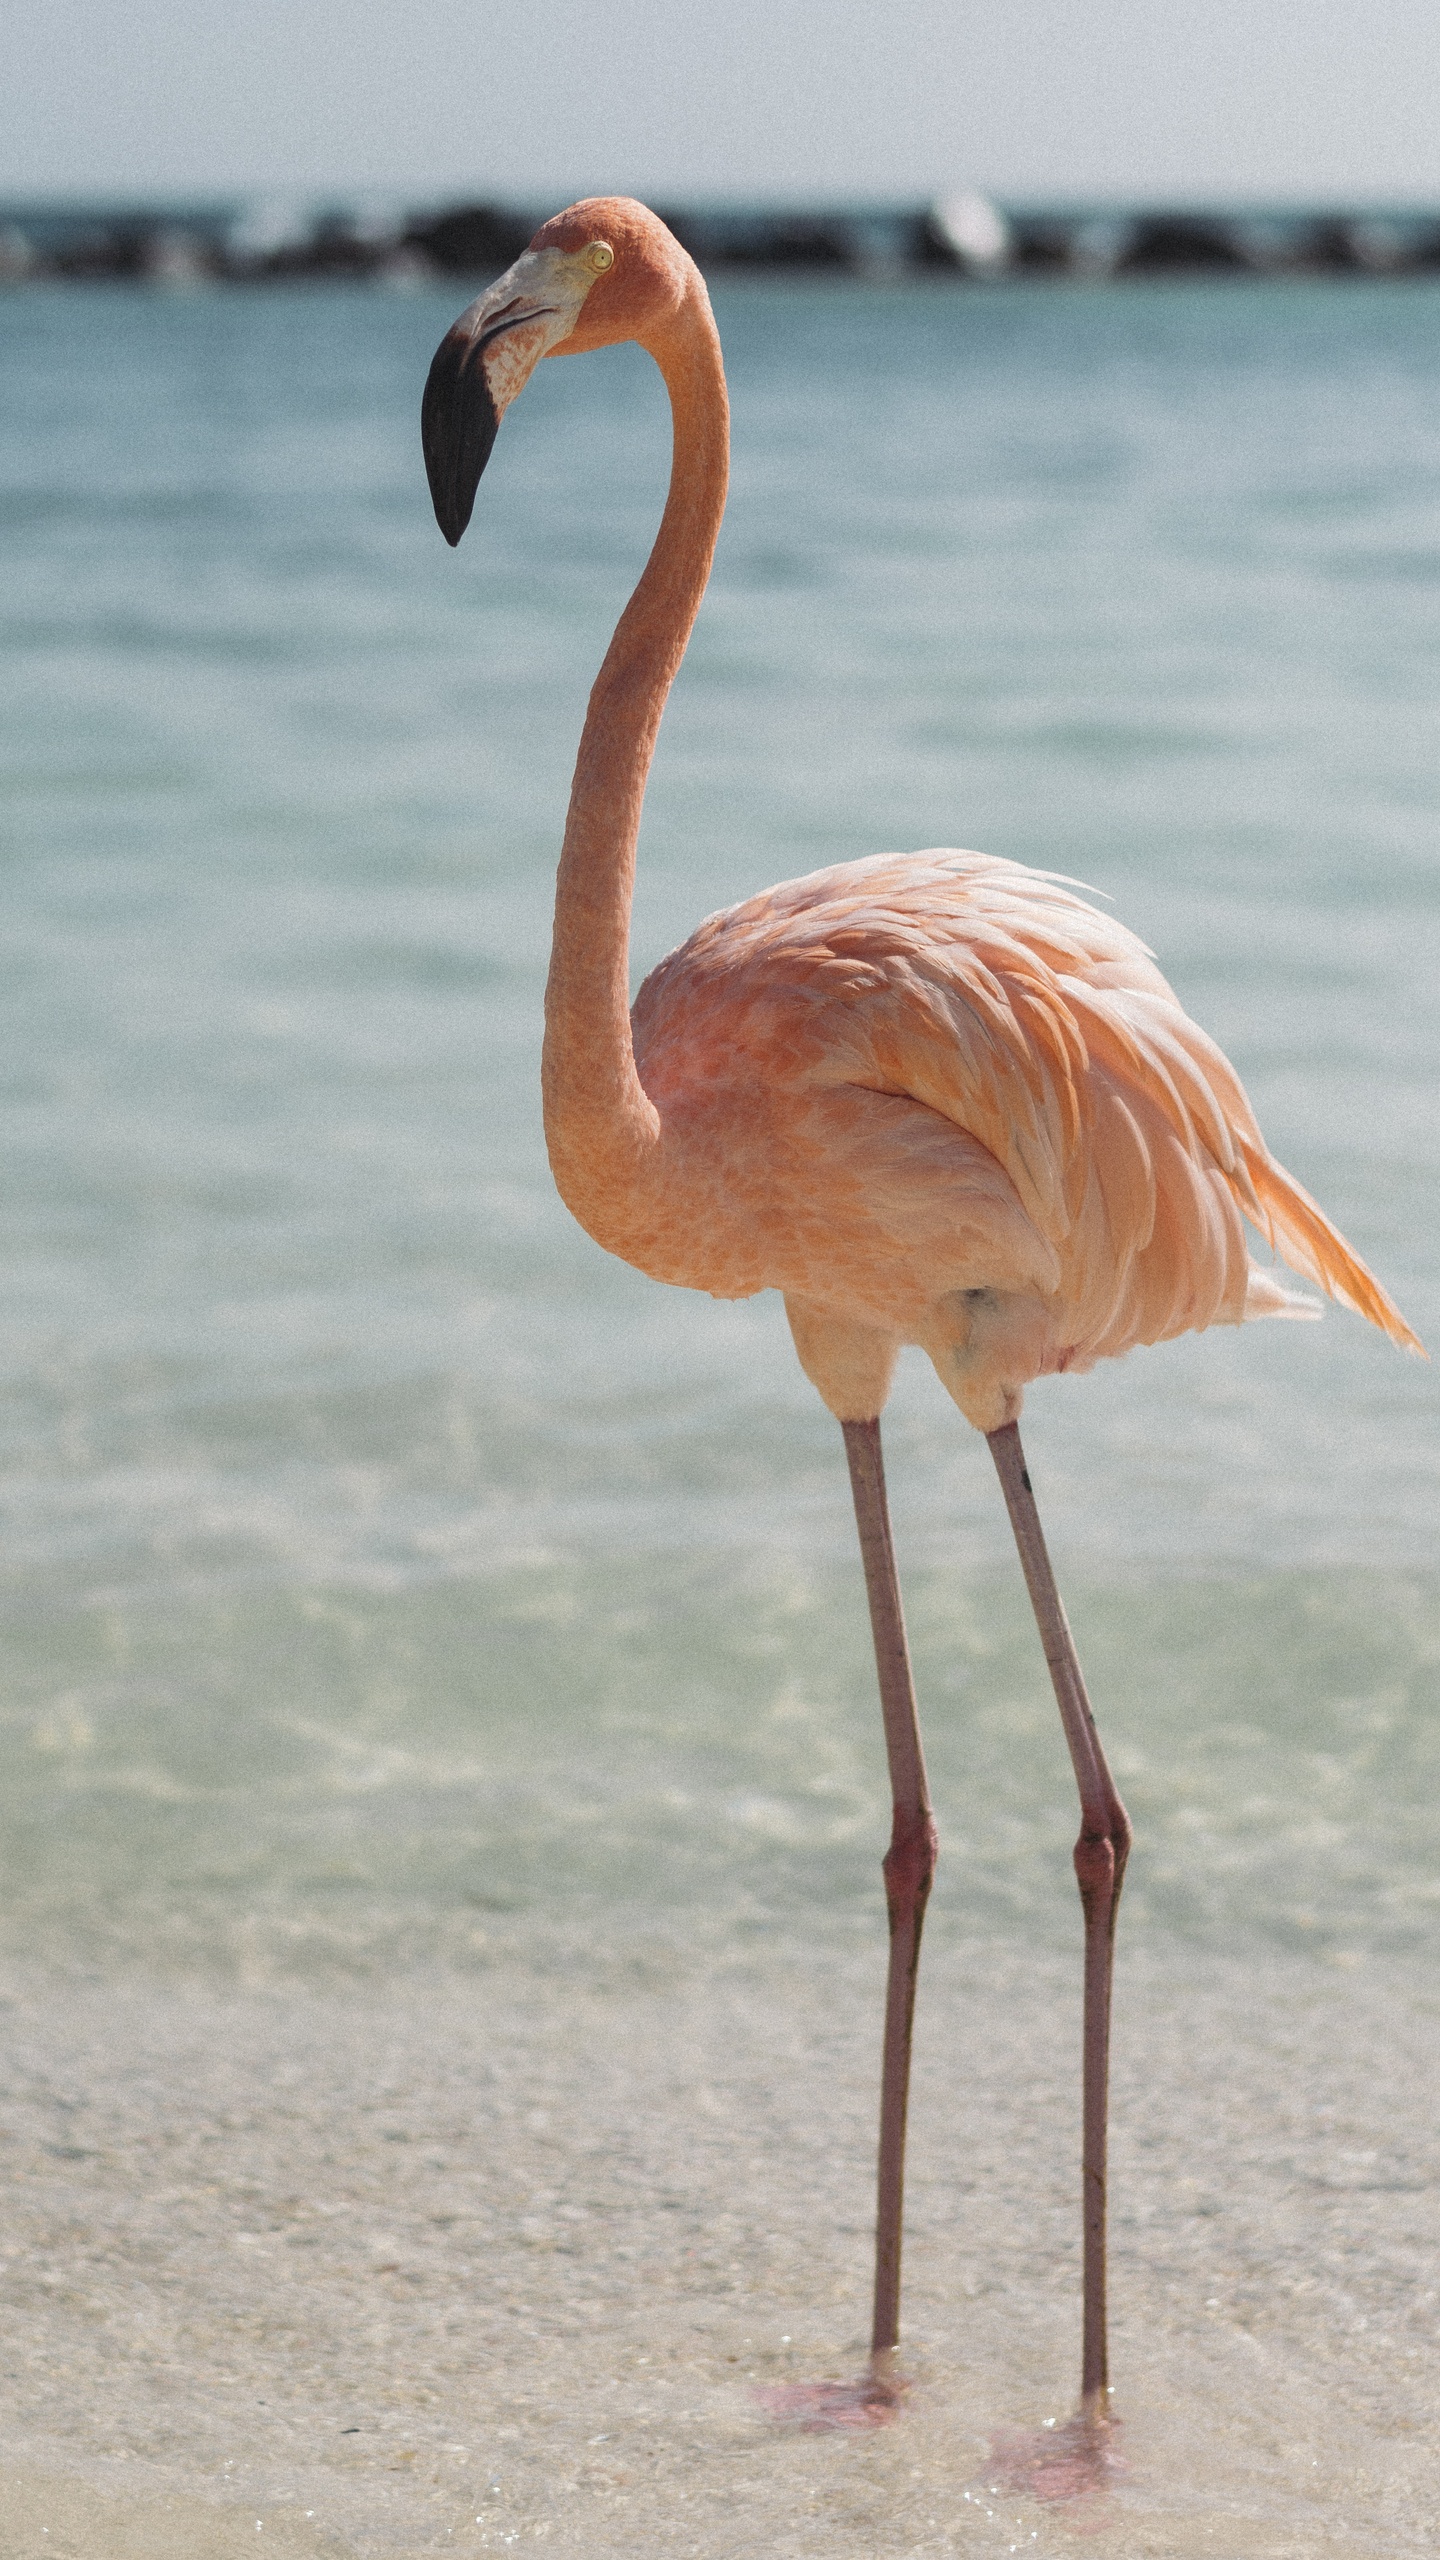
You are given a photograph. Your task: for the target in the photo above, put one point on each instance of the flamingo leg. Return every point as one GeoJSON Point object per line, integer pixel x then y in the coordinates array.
{"type": "Point", "coordinates": [1100, 1855]}
{"type": "Point", "coordinates": [909, 1861]}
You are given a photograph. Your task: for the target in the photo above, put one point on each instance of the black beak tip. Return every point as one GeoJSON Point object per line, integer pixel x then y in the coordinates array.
{"type": "Point", "coordinates": [458, 427]}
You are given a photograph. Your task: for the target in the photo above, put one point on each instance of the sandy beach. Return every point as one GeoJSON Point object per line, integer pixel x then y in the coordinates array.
{"type": "Point", "coordinates": [505, 2258]}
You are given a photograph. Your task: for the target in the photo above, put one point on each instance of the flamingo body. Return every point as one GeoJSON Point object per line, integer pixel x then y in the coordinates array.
{"type": "Point", "coordinates": [938, 1099]}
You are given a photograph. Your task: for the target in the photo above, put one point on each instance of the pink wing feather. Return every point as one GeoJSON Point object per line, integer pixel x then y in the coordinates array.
{"type": "Point", "coordinates": [996, 999]}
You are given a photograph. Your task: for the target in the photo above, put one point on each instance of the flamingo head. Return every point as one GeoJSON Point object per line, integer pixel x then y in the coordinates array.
{"type": "Point", "coordinates": [604, 270]}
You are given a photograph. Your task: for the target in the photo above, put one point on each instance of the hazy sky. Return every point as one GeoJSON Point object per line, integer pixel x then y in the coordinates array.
{"type": "Point", "coordinates": [1284, 98]}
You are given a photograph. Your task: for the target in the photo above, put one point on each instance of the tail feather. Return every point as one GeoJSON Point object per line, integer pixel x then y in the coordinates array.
{"type": "Point", "coordinates": [1265, 1295]}
{"type": "Point", "coordinates": [1299, 1229]}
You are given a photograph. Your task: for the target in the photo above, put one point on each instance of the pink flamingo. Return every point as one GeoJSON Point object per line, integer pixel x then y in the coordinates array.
{"type": "Point", "coordinates": [932, 1098]}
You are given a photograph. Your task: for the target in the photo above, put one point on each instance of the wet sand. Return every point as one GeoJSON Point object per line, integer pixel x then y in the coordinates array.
{"type": "Point", "coordinates": [481, 2261]}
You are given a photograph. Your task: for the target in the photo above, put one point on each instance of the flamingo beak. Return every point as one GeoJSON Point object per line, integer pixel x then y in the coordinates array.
{"type": "Point", "coordinates": [480, 366]}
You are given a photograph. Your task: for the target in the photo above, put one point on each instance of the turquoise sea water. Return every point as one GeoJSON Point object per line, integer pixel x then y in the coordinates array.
{"type": "Point", "coordinates": [390, 1580]}
{"type": "Point", "coordinates": [369, 1536]}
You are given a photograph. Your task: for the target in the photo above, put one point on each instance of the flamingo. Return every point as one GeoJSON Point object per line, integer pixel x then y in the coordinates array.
{"type": "Point", "coordinates": [933, 1098]}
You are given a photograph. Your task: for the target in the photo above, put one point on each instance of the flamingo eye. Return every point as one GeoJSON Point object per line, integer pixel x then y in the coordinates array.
{"type": "Point", "coordinates": [599, 257]}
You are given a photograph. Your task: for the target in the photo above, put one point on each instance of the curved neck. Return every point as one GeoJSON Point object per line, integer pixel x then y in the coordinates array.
{"type": "Point", "coordinates": [600, 1126]}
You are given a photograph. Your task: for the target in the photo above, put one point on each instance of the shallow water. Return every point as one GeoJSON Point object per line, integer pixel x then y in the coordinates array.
{"type": "Point", "coordinates": [397, 1593]}
{"type": "Point", "coordinates": [461, 2265]}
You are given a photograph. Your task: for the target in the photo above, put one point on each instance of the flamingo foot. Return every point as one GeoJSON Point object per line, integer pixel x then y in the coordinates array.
{"type": "Point", "coordinates": [874, 2399]}
{"type": "Point", "coordinates": [1058, 2464]}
